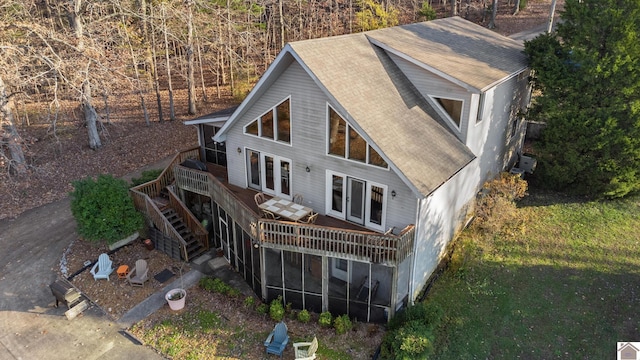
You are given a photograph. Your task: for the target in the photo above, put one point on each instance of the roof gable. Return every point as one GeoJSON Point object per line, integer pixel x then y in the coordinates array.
{"type": "Point", "coordinates": [358, 76]}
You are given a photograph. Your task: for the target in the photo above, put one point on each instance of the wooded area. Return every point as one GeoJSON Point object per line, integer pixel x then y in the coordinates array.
{"type": "Point", "coordinates": [85, 54]}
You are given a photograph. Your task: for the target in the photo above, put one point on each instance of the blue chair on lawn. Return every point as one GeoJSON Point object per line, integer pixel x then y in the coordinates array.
{"type": "Point", "coordinates": [277, 340]}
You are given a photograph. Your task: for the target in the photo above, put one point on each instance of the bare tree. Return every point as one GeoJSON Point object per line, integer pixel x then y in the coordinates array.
{"type": "Point", "coordinates": [90, 115]}
{"type": "Point", "coordinates": [172, 110]}
{"type": "Point", "coordinates": [9, 137]}
{"type": "Point", "coordinates": [191, 84]}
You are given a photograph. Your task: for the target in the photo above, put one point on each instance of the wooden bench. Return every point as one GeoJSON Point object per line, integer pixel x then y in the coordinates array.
{"type": "Point", "coordinates": [65, 293]}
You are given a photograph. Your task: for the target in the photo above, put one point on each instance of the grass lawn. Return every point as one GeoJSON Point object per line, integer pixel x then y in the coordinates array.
{"type": "Point", "coordinates": [563, 281]}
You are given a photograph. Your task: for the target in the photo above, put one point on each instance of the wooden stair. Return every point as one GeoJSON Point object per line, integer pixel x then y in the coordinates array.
{"type": "Point", "coordinates": [194, 248]}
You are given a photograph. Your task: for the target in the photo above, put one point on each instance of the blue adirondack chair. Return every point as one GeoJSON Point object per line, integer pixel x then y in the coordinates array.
{"type": "Point", "coordinates": [277, 340]}
{"type": "Point", "coordinates": [102, 269]}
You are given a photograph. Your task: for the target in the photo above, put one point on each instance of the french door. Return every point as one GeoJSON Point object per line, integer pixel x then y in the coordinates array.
{"type": "Point", "coordinates": [269, 173]}
{"type": "Point", "coordinates": [356, 200]}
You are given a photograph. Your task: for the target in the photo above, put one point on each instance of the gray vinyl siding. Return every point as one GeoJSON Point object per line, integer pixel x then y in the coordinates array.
{"type": "Point", "coordinates": [308, 148]}
{"type": "Point", "coordinates": [428, 83]}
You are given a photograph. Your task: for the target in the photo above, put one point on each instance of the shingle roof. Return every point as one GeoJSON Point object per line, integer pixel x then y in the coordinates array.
{"type": "Point", "coordinates": [458, 48]}
{"type": "Point", "coordinates": [363, 79]}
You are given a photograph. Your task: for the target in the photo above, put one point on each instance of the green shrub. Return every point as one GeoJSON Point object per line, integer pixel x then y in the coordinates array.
{"type": "Point", "coordinates": [412, 341]}
{"type": "Point", "coordinates": [103, 209]}
{"type": "Point", "coordinates": [410, 333]}
{"type": "Point", "coordinates": [304, 316]}
{"type": "Point", "coordinates": [276, 309]}
{"type": "Point", "coordinates": [326, 319]}
{"type": "Point", "coordinates": [249, 301]}
{"type": "Point", "coordinates": [262, 308]}
{"type": "Point", "coordinates": [342, 324]}
{"type": "Point", "coordinates": [216, 285]}
{"type": "Point", "coordinates": [147, 175]}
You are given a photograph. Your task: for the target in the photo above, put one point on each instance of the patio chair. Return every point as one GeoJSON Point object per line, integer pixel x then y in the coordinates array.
{"type": "Point", "coordinates": [270, 215]}
{"type": "Point", "coordinates": [311, 219]}
{"type": "Point", "coordinates": [139, 274]}
{"type": "Point", "coordinates": [102, 268]}
{"type": "Point", "coordinates": [309, 353]}
{"type": "Point", "coordinates": [277, 340]}
{"type": "Point", "coordinates": [298, 199]}
{"type": "Point", "coordinates": [259, 198]}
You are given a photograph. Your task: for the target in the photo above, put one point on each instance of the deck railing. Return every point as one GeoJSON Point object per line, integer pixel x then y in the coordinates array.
{"type": "Point", "coordinates": [144, 193]}
{"type": "Point", "coordinates": [362, 245]}
{"type": "Point", "coordinates": [154, 214]}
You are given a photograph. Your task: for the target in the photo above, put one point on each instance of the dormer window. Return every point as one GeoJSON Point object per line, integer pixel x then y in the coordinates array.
{"type": "Point", "coordinates": [352, 147]}
{"type": "Point", "coordinates": [275, 124]}
{"type": "Point", "coordinates": [451, 107]}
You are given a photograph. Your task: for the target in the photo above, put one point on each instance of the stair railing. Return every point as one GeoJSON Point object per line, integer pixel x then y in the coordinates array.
{"type": "Point", "coordinates": [197, 230]}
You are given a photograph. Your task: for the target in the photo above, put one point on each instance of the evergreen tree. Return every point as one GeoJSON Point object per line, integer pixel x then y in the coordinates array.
{"type": "Point", "coordinates": [588, 73]}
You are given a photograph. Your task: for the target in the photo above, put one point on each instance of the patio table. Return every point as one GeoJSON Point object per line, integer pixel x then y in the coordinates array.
{"type": "Point", "coordinates": [286, 208]}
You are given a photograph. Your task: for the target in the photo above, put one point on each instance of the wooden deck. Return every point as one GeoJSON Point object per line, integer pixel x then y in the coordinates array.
{"type": "Point", "coordinates": [246, 196]}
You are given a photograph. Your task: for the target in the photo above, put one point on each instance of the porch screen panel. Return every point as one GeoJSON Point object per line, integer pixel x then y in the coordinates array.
{"type": "Point", "coordinates": [338, 289]}
{"type": "Point", "coordinates": [273, 266]}
{"type": "Point", "coordinates": [257, 280]}
{"type": "Point", "coordinates": [360, 291]}
{"type": "Point", "coordinates": [239, 242]}
{"type": "Point", "coordinates": [313, 283]}
{"type": "Point", "coordinates": [293, 278]}
{"type": "Point", "coordinates": [381, 298]}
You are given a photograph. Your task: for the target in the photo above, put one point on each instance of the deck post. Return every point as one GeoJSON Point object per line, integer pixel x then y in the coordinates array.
{"type": "Point", "coordinates": [325, 283]}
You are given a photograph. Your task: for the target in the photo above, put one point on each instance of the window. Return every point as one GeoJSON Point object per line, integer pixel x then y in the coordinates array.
{"type": "Point", "coordinates": [215, 152]}
{"type": "Point", "coordinates": [346, 142]}
{"type": "Point", "coordinates": [452, 107]}
{"type": "Point", "coordinates": [274, 124]}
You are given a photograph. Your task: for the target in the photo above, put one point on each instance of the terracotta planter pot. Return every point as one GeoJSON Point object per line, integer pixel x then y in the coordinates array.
{"type": "Point", "coordinates": [176, 298]}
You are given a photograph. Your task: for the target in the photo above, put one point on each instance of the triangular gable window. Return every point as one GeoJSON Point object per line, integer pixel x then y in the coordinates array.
{"type": "Point", "coordinates": [275, 124]}
{"type": "Point", "coordinates": [354, 146]}
{"type": "Point", "coordinates": [452, 107]}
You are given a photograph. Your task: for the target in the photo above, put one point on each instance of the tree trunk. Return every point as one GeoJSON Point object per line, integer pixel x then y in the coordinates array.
{"type": "Point", "coordinates": [551, 14]}
{"type": "Point", "coordinates": [454, 7]}
{"type": "Point", "coordinates": [516, 9]}
{"type": "Point", "coordinates": [90, 116]}
{"type": "Point", "coordinates": [191, 84]}
{"type": "Point", "coordinates": [154, 67]}
{"type": "Point", "coordinates": [494, 11]}
{"type": "Point", "coordinates": [75, 22]}
{"type": "Point", "coordinates": [9, 135]}
{"type": "Point", "coordinates": [204, 87]}
{"type": "Point", "coordinates": [172, 110]}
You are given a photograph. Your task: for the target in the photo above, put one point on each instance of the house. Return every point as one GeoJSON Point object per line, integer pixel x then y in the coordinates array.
{"type": "Point", "coordinates": [628, 352]}
{"type": "Point", "coordinates": [388, 135]}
